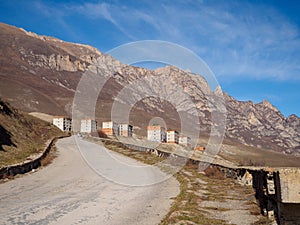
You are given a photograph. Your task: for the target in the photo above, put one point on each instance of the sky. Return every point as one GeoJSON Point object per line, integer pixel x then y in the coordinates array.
{"type": "Point", "coordinates": [252, 47]}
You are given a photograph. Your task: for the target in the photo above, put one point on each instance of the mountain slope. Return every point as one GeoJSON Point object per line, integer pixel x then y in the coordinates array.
{"type": "Point", "coordinates": [41, 74]}
{"type": "Point", "coordinates": [21, 135]}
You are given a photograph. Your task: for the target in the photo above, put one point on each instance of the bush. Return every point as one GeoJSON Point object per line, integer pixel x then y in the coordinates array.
{"type": "Point", "coordinates": [214, 172]}
{"type": "Point", "coordinates": [100, 134]}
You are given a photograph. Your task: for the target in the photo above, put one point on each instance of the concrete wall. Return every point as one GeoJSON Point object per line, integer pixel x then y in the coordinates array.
{"type": "Point", "coordinates": [289, 214]}
{"type": "Point", "coordinates": [27, 166]}
{"type": "Point", "coordinates": [290, 185]}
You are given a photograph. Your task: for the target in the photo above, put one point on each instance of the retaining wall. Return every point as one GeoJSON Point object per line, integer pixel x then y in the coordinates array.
{"type": "Point", "coordinates": [28, 165]}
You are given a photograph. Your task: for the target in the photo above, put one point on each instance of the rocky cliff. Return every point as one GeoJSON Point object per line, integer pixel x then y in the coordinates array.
{"type": "Point", "coordinates": [41, 73]}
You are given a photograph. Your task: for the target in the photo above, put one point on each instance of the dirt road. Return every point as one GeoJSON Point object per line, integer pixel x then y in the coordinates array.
{"type": "Point", "coordinates": [68, 191]}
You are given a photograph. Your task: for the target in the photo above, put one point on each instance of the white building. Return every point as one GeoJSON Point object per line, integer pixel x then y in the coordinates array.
{"type": "Point", "coordinates": [63, 123]}
{"type": "Point", "coordinates": [88, 126]}
{"type": "Point", "coordinates": [184, 140]}
{"type": "Point", "coordinates": [110, 128]}
{"type": "Point", "coordinates": [125, 130]}
{"type": "Point", "coordinates": [172, 136]}
{"type": "Point", "coordinates": [156, 133]}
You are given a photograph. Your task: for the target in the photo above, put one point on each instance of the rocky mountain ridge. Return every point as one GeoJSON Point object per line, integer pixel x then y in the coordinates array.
{"type": "Point", "coordinates": [43, 73]}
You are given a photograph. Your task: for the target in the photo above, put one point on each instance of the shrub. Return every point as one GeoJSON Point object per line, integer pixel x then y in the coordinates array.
{"type": "Point", "coordinates": [214, 172]}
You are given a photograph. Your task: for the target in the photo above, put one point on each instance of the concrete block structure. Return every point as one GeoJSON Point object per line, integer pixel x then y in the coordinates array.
{"type": "Point", "coordinates": [184, 140]}
{"type": "Point", "coordinates": [277, 190]}
{"type": "Point", "coordinates": [172, 136]}
{"type": "Point", "coordinates": [88, 126]}
{"type": "Point", "coordinates": [125, 130]}
{"type": "Point", "coordinates": [290, 185]}
{"type": "Point", "coordinates": [63, 123]}
{"type": "Point", "coordinates": [110, 128]}
{"type": "Point", "coordinates": [156, 133]}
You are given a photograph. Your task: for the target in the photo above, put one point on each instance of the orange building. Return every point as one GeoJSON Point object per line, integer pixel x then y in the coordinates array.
{"type": "Point", "coordinates": [110, 128]}
{"type": "Point", "coordinates": [156, 133]}
{"type": "Point", "coordinates": [199, 148]}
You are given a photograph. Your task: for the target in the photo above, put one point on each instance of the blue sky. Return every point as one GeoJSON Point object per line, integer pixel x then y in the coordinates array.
{"type": "Point", "coordinates": [253, 47]}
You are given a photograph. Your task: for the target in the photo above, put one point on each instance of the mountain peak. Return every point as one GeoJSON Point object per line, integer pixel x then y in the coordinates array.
{"type": "Point", "coordinates": [41, 74]}
{"type": "Point", "coordinates": [267, 104]}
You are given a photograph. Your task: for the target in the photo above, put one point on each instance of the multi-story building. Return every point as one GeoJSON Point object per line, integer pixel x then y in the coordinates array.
{"type": "Point", "coordinates": [172, 136]}
{"type": "Point", "coordinates": [156, 133]}
{"type": "Point", "coordinates": [184, 140]}
{"type": "Point", "coordinates": [125, 130]}
{"type": "Point", "coordinates": [110, 128]}
{"type": "Point", "coordinates": [88, 126]}
{"type": "Point", "coordinates": [63, 123]}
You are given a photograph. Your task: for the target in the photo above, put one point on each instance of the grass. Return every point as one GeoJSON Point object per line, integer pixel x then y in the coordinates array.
{"type": "Point", "coordinates": [263, 221]}
{"type": "Point", "coordinates": [49, 157]}
{"type": "Point", "coordinates": [22, 135]}
{"type": "Point", "coordinates": [251, 156]}
{"type": "Point", "coordinates": [186, 207]}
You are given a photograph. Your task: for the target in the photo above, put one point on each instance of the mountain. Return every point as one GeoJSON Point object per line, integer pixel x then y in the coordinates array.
{"type": "Point", "coordinates": [40, 73]}
{"type": "Point", "coordinates": [21, 135]}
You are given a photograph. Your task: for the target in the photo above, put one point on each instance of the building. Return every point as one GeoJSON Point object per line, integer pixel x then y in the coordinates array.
{"type": "Point", "coordinates": [110, 128]}
{"type": "Point", "coordinates": [199, 148]}
{"type": "Point", "coordinates": [88, 126]}
{"type": "Point", "coordinates": [125, 130]}
{"type": "Point", "coordinates": [156, 133]}
{"type": "Point", "coordinates": [184, 140]}
{"type": "Point", "coordinates": [172, 136]}
{"type": "Point", "coordinates": [63, 123]}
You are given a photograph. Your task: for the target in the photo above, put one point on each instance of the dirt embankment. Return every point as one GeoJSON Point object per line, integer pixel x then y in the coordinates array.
{"type": "Point", "coordinates": [22, 135]}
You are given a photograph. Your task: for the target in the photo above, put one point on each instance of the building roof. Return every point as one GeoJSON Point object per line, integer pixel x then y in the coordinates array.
{"type": "Point", "coordinates": [58, 117]}
{"type": "Point", "coordinates": [173, 131]}
{"type": "Point", "coordinates": [155, 127]}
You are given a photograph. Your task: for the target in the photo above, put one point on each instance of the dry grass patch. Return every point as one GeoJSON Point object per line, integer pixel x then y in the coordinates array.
{"type": "Point", "coordinates": [22, 135]}
{"type": "Point", "coordinates": [198, 187]}
{"type": "Point", "coordinates": [49, 157]}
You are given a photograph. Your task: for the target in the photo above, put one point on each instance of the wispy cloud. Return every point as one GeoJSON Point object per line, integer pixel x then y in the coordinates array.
{"type": "Point", "coordinates": [239, 40]}
{"type": "Point", "coordinates": [102, 10]}
{"type": "Point", "coordinates": [236, 39]}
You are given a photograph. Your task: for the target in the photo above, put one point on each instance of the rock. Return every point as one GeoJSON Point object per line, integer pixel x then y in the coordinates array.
{"type": "Point", "coordinates": [57, 65]}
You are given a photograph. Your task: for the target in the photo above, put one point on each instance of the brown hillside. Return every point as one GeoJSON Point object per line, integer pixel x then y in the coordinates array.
{"type": "Point", "coordinates": [21, 135]}
{"type": "Point", "coordinates": [40, 74]}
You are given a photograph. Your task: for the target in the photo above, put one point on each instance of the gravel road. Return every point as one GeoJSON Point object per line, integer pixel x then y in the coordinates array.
{"type": "Point", "coordinates": [68, 191]}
